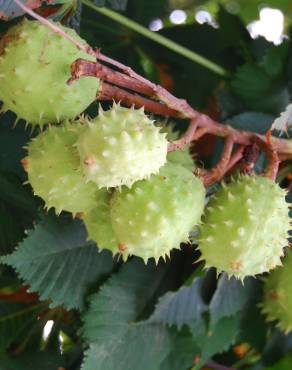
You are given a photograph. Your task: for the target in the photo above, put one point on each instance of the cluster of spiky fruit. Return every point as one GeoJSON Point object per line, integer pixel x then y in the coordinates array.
{"type": "Point", "coordinates": [67, 163]}
{"type": "Point", "coordinates": [113, 169]}
{"type": "Point", "coordinates": [150, 218]}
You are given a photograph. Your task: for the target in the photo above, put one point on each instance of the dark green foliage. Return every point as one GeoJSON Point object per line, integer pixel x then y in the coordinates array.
{"type": "Point", "coordinates": [57, 262]}
{"type": "Point", "coordinates": [114, 310]}
{"type": "Point", "coordinates": [15, 320]}
{"type": "Point", "coordinates": [113, 315]}
{"type": "Point", "coordinates": [43, 360]}
{"type": "Point", "coordinates": [182, 307]}
{"type": "Point", "coordinates": [115, 4]}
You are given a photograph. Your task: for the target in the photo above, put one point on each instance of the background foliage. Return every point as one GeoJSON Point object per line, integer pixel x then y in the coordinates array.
{"type": "Point", "coordinates": [104, 314]}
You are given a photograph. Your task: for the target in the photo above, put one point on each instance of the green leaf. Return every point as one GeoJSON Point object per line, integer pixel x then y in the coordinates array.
{"type": "Point", "coordinates": [116, 340]}
{"type": "Point", "coordinates": [229, 298]}
{"type": "Point", "coordinates": [253, 325]}
{"type": "Point", "coordinates": [185, 349]}
{"type": "Point", "coordinates": [251, 82]}
{"type": "Point", "coordinates": [284, 364]}
{"type": "Point", "coordinates": [258, 90]}
{"type": "Point", "coordinates": [275, 60]}
{"type": "Point", "coordinates": [115, 4]}
{"type": "Point", "coordinates": [15, 320]}
{"type": "Point", "coordinates": [142, 346]}
{"type": "Point", "coordinates": [47, 360]}
{"type": "Point", "coordinates": [58, 263]}
{"type": "Point", "coordinates": [222, 335]}
{"type": "Point", "coordinates": [252, 121]}
{"type": "Point", "coordinates": [233, 29]}
{"type": "Point", "coordinates": [121, 299]}
{"type": "Point", "coordinates": [181, 307]}
{"type": "Point", "coordinates": [217, 338]}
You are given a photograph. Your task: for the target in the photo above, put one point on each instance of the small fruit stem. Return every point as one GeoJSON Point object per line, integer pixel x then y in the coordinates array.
{"type": "Point", "coordinates": [218, 171]}
{"type": "Point", "coordinates": [272, 156]}
{"type": "Point", "coordinates": [235, 157]}
{"type": "Point", "coordinates": [187, 138]}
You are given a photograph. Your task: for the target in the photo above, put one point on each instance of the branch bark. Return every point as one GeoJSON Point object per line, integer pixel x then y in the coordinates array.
{"type": "Point", "coordinates": [110, 92]}
{"type": "Point", "coordinates": [272, 156]}
{"type": "Point", "coordinates": [218, 171]}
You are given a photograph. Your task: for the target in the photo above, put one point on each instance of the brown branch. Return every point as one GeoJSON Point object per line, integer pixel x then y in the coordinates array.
{"type": "Point", "coordinates": [180, 105]}
{"type": "Point", "coordinates": [218, 171]}
{"type": "Point", "coordinates": [235, 157]}
{"type": "Point", "coordinates": [282, 146]}
{"type": "Point", "coordinates": [249, 158]}
{"type": "Point", "coordinates": [83, 67]}
{"type": "Point", "coordinates": [272, 156]}
{"type": "Point", "coordinates": [110, 92]}
{"type": "Point", "coordinates": [187, 138]}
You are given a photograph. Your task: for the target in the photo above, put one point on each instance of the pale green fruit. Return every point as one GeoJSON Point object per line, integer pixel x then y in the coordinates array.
{"type": "Point", "coordinates": [54, 171]}
{"type": "Point", "coordinates": [121, 146]}
{"type": "Point", "coordinates": [34, 68]}
{"type": "Point", "coordinates": [277, 302]}
{"type": "Point", "coordinates": [182, 157]}
{"type": "Point", "coordinates": [245, 227]}
{"type": "Point", "coordinates": [156, 215]}
{"type": "Point", "coordinates": [179, 156]}
{"type": "Point", "coordinates": [98, 223]}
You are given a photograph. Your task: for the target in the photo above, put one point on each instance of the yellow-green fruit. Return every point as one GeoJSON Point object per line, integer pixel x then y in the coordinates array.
{"type": "Point", "coordinates": [277, 302]}
{"type": "Point", "coordinates": [34, 68]}
{"type": "Point", "coordinates": [54, 171]}
{"type": "Point", "coordinates": [182, 157]}
{"type": "Point", "coordinates": [156, 215]}
{"type": "Point", "coordinates": [121, 146]}
{"type": "Point", "coordinates": [98, 223]}
{"type": "Point", "coordinates": [245, 227]}
{"type": "Point", "coordinates": [179, 156]}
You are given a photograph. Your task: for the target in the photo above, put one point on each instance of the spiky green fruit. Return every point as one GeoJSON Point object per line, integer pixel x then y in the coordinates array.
{"type": "Point", "coordinates": [179, 156]}
{"type": "Point", "coordinates": [182, 157]}
{"type": "Point", "coordinates": [156, 215]}
{"type": "Point", "coordinates": [120, 147]}
{"type": "Point", "coordinates": [98, 223]}
{"type": "Point", "coordinates": [54, 170]}
{"type": "Point", "coordinates": [277, 302]}
{"type": "Point", "coordinates": [245, 227]}
{"type": "Point", "coordinates": [34, 68]}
